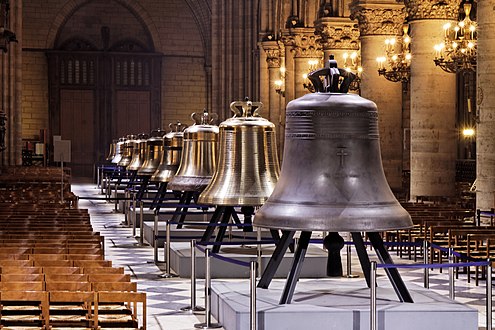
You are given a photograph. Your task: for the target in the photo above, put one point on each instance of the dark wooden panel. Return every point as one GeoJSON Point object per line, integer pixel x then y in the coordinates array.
{"type": "Point", "coordinates": [77, 125]}
{"type": "Point", "coordinates": [132, 112]}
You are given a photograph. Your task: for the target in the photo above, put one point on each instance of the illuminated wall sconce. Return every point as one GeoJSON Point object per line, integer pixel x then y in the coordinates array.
{"type": "Point", "coordinates": [395, 66]}
{"type": "Point", "coordinates": [279, 83]}
{"type": "Point", "coordinates": [313, 64]}
{"type": "Point", "coordinates": [352, 63]}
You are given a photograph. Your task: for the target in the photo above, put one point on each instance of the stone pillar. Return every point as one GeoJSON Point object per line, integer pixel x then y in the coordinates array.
{"type": "Point", "coordinates": [433, 102]}
{"type": "Point", "coordinates": [377, 22]}
{"type": "Point", "coordinates": [301, 42]}
{"type": "Point", "coordinates": [485, 136]}
{"type": "Point", "coordinates": [274, 104]}
{"type": "Point", "coordinates": [338, 35]}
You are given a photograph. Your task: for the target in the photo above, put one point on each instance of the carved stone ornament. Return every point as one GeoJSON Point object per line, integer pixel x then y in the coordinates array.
{"type": "Point", "coordinates": [381, 21]}
{"type": "Point", "coordinates": [303, 44]}
{"type": "Point", "coordinates": [440, 9]}
{"type": "Point", "coordinates": [273, 53]}
{"type": "Point", "coordinates": [337, 35]}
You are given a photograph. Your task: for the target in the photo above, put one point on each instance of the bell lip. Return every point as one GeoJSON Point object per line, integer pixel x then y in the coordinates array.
{"type": "Point", "coordinates": [232, 201]}
{"type": "Point", "coordinates": [333, 229]}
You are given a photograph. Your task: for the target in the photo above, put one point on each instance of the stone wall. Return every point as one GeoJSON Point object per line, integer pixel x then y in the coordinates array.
{"type": "Point", "coordinates": [171, 28]}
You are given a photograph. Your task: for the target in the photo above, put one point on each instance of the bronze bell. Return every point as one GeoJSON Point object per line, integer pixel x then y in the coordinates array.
{"type": "Point", "coordinates": [128, 151]}
{"type": "Point", "coordinates": [332, 177]}
{"type": "Point", "coordinates": [139, 153]}
{"type": "Point", "coordinates": [172, 150]}
{"type": "Point", "coordinates": [154, 150]}
{"type": "Point", "coordinates": [119, 149]}
{"type": "Point", "coordinates": [199, 154]}
{"type": "Point", "coordinates": [111, 151]}
{"type": "Point", "coordinates": [248, 165]}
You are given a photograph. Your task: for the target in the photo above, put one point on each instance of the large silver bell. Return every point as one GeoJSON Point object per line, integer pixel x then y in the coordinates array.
{"type": "Point", "coordinates": [154, 150]}
{"type": "Point", "coordinates": [172, 150]}
{"type": "Point", "coordinates": [248, 167]}
{"type": "Point", "coordinates": [119, 149]}
{"type": "Point", "coordinates": [139, 153]}
{"type": "Point", "coordinates": [332, 177]}
{"type": "Point", "coordinates": [128, 151]}
{"type": "Point", "coordinates": [199, 154]}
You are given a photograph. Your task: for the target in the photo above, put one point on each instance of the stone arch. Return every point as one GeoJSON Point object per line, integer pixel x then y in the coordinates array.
{"type": "Point", "coordinates": [201, 11]}
{"type": "Point", "coordinates": [72, 6]}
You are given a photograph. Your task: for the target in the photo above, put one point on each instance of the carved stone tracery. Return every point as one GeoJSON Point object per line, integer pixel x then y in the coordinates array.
{"type": "Point", "coordinates": [337, 35]}
{"type": "Point", "coordinates": [426, 9]}
{"type": "Point", "coordinates": [273, 53]}
{"type": "Point", "coordinates": [303, 43]}
{"type": "Point", "coordinates": [373, 21]}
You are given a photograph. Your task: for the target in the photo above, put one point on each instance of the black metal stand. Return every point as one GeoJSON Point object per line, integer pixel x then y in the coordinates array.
{"type": "Point", "coordinates": [375, 240]}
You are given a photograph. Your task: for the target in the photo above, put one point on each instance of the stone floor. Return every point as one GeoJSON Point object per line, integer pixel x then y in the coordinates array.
{"type": "Point", "coordinates": [166, 296]}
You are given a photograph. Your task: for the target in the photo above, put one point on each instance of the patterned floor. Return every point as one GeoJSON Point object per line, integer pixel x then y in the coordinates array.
{"type": "Point", "coordinates": [166, 297]}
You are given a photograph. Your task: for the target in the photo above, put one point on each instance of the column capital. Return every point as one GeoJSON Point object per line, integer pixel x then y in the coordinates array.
{"type": "Point", "coordinates": [303, 43]}
{"type": "Point", "coordinates": [337, 33]}
{"type": "Point", "coordinates": [273, 53]}
{"type": "Point", "coordinates": [424, 9]}
{"type": "Point", "coordinates": [378, 18]}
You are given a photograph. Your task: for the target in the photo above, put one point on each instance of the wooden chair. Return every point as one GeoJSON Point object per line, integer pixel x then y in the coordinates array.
{"type": "Point", "coordinates": [103, 270]}
{"type": "Point", "coordinates": [62, 270]}
{"type": "Point", "coordinates": [109, 277]}
{"type": "Point", "coordinates": [20, 270]}
{"type": "Point", "coordinates": [22, 278]}
{"type": "Point", "coordinates": [131, 300]}
{"type": "Point", "coordinates": [66, 277]}
{"type": "Point", "coordinates": [72, 309]}
{"type": "Point", "coordinates": [24, 307]}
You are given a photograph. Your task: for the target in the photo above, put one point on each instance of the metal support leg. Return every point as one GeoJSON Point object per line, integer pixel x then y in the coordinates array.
{"type": "Point", "coordinates": [364, 259]}
{"type": "Point", "coordinates": [392, 273]}
{"type": "Point", "coordinates": [214, 220]}
{"type": "Point", "coordinates": [276, 259]}
{"type": "Point", "coordinates": [297, 263]}
{"type": "Point", "coordinates": [227, 213]}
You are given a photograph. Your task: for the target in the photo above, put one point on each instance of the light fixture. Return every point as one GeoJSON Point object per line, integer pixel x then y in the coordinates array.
{"type": "Point", "coordinates": [352, 63]}
{"type": "Point", "coordinates": [457, 52]}
{"type": "Point", "coordinates": [468, 132]}
{"type": "Point", "coordinates": [313, 64]}
{"type": "Point", "coordinates": [396, 64]}
{"type": "Point", "coordinates": [279, 83]}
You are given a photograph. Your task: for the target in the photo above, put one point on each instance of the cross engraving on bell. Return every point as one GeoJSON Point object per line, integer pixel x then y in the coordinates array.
{"type": "Point", "coordinates": [341, 153]}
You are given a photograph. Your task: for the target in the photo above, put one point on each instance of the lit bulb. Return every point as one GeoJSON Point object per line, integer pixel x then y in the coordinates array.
{"type": "Point", "coordinates": [470, 45]}
{"type": "Point", "coordinates": [408, 56]}
{"type": "Point", "coordinates": [407, 40]}
{"type": "Point", "coordinates": [447, 26]}
{"type": "Point", "coordinates": [394, 58]}
{"type": "Point", "coordinates": [278, 83]}
{"type": "Point", "coordinates": [454, 45]}
{"type": "Point", "coordinates": [360, 69]}
{"type": "Point", "coordinates": [467, 132]}
{"type": "Point", "coordinates": [353, 55]}
{"type": "Point", "coordinates": [345, 56]}
{"type": "Point", "coordinates": [282, 70]}
{"type": "Point", "coordinates": [305, 76]}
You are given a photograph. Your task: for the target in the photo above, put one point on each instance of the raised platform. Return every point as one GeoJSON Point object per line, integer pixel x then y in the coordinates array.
{"type": "Point", "coordinates": [338, 304]}
{"type": "Point", "coordinates": [187, 232]}
{"type": "Point", "coordinates": [180, 257]}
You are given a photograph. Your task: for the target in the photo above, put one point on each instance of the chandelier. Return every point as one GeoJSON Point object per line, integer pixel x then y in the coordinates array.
{"type": "Point", "coordinates": [396, 64]}
{"type": "Point", "coordinates": [458, 51]}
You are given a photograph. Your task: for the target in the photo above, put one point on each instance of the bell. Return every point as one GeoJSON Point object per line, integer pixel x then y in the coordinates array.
{"type": "Point", "coordinates": [199, 154]}
{"type": "Point", "coordinates": [127, 153]}
{"type": "Point", "coordinates": [111, 151]}
{"type": "Point", "coordinates": [119, 149]}
{"type": "Point", "coordinates": [154, 150]}
{"type": "Point", "coordinates": [248, 167]}
{"type": "Point", "coordinates": [172, 150]}
{"type": "Point", "coordinates": [139, 153]}
{"type": "Point", "coordinates": [332, 177]}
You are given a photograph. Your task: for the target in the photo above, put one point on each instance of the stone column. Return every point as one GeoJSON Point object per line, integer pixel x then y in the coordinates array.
{"type": "Point", "coordinates": [377, 22]}
{"type": "Point", "coordinates": [433, 102]}
{"type": "Point", "coordinates": [338, 35]}
{"type": "Point", "coordinates": [485, 136]}
{"type": "Point", "coordinates": [274, 104]}
{"type": "Point", "coordinates": [301, 42]}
